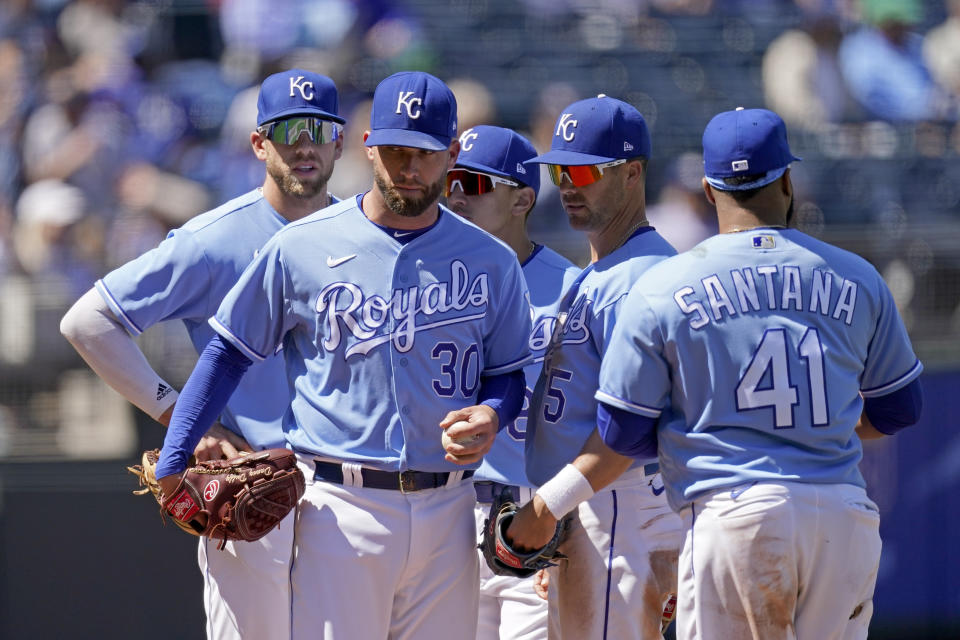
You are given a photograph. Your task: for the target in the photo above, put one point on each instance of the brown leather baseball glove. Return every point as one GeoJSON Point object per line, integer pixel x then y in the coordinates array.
{"type": "Point", "coordinates": [238, 499]}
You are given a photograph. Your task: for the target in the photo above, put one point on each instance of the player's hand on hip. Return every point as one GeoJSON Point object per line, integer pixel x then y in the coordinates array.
{"type": "Point", "coordinates": [468, 433]}
{"type": "Point", "coordinates": [219, 443]}
{"type": "Point", "coordinates": [532, 527]}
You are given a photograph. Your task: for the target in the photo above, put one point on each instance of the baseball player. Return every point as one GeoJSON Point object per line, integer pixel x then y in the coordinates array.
{"type": "Point", "coordinates": [491, 187]}
{"type": "Point", "coordinates": [246, 586]}
{"type": "Point", "coordinates": [755, 360]}
{"type": "Point", "coordinates": [397, 320]}
{"type": "Point", "coordinates": [623, 541]}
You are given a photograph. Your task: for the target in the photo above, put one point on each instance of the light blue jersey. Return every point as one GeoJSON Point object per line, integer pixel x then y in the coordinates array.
{"type": "Point", "coordinates": [185, 278]}
{"type": "Point", "coordinates": [563, 412]}
{"type": "Point", "coordinates": [548, 275]}
{"type": "Point", "coordinates": [753, 350]}
{"type": "Point", "coordinates": [381, 339]}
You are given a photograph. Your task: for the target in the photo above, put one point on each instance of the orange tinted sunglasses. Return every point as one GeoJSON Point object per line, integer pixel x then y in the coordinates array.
{"type": "Point", "coordinates": [579, 175]}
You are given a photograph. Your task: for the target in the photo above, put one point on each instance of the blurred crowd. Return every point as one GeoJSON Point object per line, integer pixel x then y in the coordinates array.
{"type": "Point", "coordinates": [121, 119]}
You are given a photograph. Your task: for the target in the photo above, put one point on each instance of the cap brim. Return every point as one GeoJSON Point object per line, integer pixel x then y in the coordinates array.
{"type": "Point", "coordinates": [300, 111]}
{"type": "Point", "coordinates": [568, 157]}
{"type": "Point", "coordinates": [407, 138]}
{"type": "Point", "coordinates": [473, 166]}
{"type": "Point", "coordinates": [770, 176]}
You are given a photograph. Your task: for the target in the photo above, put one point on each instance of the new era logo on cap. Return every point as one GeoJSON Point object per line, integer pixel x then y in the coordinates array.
{"type": "Point", "coordinates": [500, 152]}
{"type": "Point", "coordinates": [413, 109]}
{"type": "Point", "coordinates": [297, 92]}
{"type": "Point", "coordinates": [597, 130]}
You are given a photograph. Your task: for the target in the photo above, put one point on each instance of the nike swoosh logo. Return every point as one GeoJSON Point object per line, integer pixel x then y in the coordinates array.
{"type": "Point", "coordinates": [655, 492]}
{"type": "Point", "coordinates": [336, 262]}
{"type": "Point", "coordinates": [397, 234]}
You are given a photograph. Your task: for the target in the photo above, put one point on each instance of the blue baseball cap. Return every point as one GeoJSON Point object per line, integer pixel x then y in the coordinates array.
{"type": "Point", "coordinates": [597, 130]}
{"type": "Point", "coordinates": [500, 152]}
{"type": "Point", "coordinates": [745, 142]}
{"type": "Point", "coordinates": [297, 92]}
{"type": "Point", "coordinates": [413, 109]}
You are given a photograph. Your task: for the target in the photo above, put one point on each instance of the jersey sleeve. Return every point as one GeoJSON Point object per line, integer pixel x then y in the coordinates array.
{"type": "Point", "coordinates": [506, 346]}
{"type": "Point", "coordinates": [168, 282]}
{"type": "Point", "coordinates": [891, 363]}
{"type": "Point", "coordinates": [253, 315]}
{"type": "Point", "coordinates": [604, 321]}
{"type": "Point", "coordinates": [634, 376]}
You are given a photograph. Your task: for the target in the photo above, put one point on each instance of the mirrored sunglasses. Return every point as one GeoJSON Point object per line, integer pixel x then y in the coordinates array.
{"type": "Point", "coordinates": [473, 183]}
{"type": "Point", "coordinates": [289, 130]}
{"type": "Point", "coordinates": [579, 175]}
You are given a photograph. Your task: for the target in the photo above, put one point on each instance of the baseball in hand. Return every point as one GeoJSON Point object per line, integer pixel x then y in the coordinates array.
{"type": "Point", "coordinates": [463, 441]}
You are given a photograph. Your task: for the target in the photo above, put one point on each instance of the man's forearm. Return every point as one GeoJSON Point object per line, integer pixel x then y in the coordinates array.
{"type": "Point", "coordinates": [213, 381]}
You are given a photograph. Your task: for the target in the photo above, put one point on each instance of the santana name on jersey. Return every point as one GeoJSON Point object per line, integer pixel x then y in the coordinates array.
{"type": "Point", "coordinates": [746, 298]}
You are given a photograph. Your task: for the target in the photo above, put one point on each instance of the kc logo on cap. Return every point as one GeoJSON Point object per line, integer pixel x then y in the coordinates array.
{"type": "Point", "coordinates": [297, 92]}
{"type": "Point", "coordinates": [597, 130]}
{"type": "Point", "coordinates": [413, 109]}
{"type": "Point", "coordinates": [303, 86]}
{"type": "Point", "coordinates": [407, 101]}
{"type": "Point", "coordinates": [564, 124]}
{"type": "Point", "coordinates": [500, 152]}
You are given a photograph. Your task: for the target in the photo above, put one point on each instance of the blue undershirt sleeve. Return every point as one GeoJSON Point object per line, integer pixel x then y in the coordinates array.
{"type": "Point", "coordinates": [213, 380]}
{"type": "Point", "coordinates": [627, 433]}
{"type": "Point", "coordinates": [895, 411]}
{"type": "Point", "coordinates": [504, 394]}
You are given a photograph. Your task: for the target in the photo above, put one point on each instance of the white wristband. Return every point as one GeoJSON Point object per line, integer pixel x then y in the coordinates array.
{"type": "Point", "coordinates": [564, 491]}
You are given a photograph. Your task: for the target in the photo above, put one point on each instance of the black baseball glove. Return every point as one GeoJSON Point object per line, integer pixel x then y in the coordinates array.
{"type": "Point", "coordinates": [502, 558]}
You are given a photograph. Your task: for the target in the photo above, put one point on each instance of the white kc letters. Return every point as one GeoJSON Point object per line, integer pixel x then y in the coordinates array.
{"type": "Point", "coordinates": [563, 125]}
{"type": "Point", "coordinates": [405, 100]}
{"type": "Point", "coordinates": [467, 138]}
{"type": "Point", "coordinates": [304, 88]}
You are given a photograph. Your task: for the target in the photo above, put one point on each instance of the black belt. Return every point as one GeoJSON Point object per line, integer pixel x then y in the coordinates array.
{"type": "Point", "coordinates": [396, 480]}
{"type": "Point", "coordinates": [487, 491]}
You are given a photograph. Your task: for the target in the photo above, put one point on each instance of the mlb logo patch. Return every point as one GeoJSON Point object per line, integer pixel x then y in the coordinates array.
{"type": "Point", "coordinates": [764, 241]}
{"type": "Point", "coordinates": [740, 165]}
